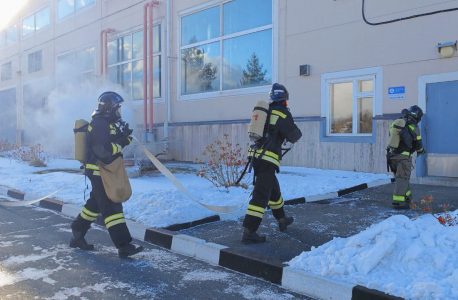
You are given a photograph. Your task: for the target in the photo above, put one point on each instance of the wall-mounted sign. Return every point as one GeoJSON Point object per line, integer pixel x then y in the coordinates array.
{"type": "Point", "coordinates": [396, 93]}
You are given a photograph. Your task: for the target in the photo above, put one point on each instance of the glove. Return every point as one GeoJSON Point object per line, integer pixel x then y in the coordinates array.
{"type": "Point", "coordinates": [422, 151]}
{"type": "Point", "coordinates": [127, 131]}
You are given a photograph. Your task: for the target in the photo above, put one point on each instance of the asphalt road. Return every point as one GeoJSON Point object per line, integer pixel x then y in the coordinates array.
{"type": "Point", "coordinates": [319, 222]}
{"type": "Point", "coordinates": [36, 263]}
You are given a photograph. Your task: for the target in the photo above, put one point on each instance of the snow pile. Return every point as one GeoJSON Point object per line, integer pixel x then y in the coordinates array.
{"type": "Point", "coordinates": [414, 259]}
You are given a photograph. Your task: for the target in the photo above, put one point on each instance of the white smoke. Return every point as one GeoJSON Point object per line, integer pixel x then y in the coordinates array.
{"type": "Point", "coordinates": [52, 124]}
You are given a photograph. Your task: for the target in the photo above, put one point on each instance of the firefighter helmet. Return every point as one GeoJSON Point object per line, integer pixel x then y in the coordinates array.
{"type": "Point", "coordinates": [278, 93]}
{"type": "Point", "coordinates": [109, 104]}
{"type": "Point", "coordinates": [414, 112]}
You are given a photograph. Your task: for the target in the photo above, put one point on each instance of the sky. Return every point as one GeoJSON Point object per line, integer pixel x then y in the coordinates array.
{"type": "Point", "coordinates": [8, 9]}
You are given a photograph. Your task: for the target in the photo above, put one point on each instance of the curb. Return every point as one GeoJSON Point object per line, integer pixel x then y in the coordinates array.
{"type": "Point", "coordinates": [235, 259]}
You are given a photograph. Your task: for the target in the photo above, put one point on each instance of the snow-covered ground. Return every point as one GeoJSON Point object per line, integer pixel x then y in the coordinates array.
{"type": "Point", "coordinates": [157, 202]}
{"type": "Point", "coordinates": [413, 259]}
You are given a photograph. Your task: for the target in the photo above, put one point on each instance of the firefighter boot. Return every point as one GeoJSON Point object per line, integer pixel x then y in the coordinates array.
{"type": "Point", "coordinates": [401, 204]}
{"type": "Point", "coordinates": [284, 222]}
{"type": "Point", "coordinates": [78, 241]}
{"type": "Point", "coordinates": [129, 250]}
{"type": "Point", "coordinates": [251, 237]}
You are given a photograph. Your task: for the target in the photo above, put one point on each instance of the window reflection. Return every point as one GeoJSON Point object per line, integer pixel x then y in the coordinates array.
{"type": "Point", "coordinates": [200, 69]}
{"type": "Point", "coordinates": [200, 26]}
{"type": "Point", "coordinates": [238, 15]}
{"type": "Point", "coordinates": [65, 8]}
{"type": "Point", "coordinates": [121, 75]}
{"type": "Point", "coordinates": [83, 3]}
{"type": "Point", "coordinates": [28, 25]}
{"type": "Point", "coordinates": [11, 35]}
{"type": "Point", "coordinates": [247, 60]}
{"type": "Point", "coordinates": [42, 18]}
{"type": "Point", "coordinates": [341, 107]}
{"type": "Point", "coordinates": [365, 115]}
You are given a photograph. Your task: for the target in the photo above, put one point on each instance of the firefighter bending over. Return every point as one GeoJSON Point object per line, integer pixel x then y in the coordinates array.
{"type": "Point", "coordinates": [404, 140]}
{"type": "Point", "coordinates": [105, 140]}
{"type": "Point", "coordinates": [266, 158]}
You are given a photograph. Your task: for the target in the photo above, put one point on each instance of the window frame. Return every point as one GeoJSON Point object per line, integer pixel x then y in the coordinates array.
{"type": "Point", "coordinates": [161, 53]}
{"type": "Point", "coordinates": [351, 76]}
{"type": "Point", "coordinates": [75, 11]}
{"type": "Point", "coordinates": [231, 92]}
{"type": "Point", "coordinates": [73, 53]}
{"type": "Point", "coordinates": [34, 14]}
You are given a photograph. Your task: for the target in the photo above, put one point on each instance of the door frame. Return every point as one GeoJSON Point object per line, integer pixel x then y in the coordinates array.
{"type": "Point", "coordinates": [422, 83]}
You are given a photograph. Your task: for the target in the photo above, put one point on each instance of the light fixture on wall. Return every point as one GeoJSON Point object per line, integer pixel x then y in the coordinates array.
{"type": "Point", "coordinates": [446, 49]}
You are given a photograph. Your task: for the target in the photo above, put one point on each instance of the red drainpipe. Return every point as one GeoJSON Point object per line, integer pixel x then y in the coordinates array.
{"type": "Point", "coordinates": [145, 66]}
{"type": "Point", "coordinates": [148, 7]}
{"type": "Point", "coordinates": [101, 52]}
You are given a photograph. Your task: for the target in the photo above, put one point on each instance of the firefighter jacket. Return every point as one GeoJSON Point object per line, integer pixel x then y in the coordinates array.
{"type": "Point", "coordinates": [281, 127]}
{"type": "Point", "coordinates": [105, 141]}
{"type": "Point", "coordinates": [410, 139]}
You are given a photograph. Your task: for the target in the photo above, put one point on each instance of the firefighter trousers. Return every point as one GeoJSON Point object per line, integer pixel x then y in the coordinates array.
{"type": "Point", "coordinates": [266, 191]}
{"type": "Point", "coordinates": [112, 213]}
{"type": "Point", "coordinates": [401, 165]}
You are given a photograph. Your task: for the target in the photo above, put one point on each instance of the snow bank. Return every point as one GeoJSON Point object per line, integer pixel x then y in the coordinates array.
{"type": "Point", "coordinates": [157, 202]}
{"type": "Point", "coordinates": [414, 259]}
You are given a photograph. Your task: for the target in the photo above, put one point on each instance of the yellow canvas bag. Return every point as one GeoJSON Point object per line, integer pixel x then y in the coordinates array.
{"type": "Point", "coordinates": [115, 180]}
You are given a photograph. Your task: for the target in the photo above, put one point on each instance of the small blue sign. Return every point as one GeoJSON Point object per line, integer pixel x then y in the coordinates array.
{"type": "Point", "coordinates": [396, 93]}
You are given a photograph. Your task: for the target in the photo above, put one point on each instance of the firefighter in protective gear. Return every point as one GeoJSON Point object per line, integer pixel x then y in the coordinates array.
{"type": "Point", "coordinates": [400, 159]}
{"type": "Point", "coordinates": [105, 140]}
{"type": "Point", "coordinates": [266, 161]}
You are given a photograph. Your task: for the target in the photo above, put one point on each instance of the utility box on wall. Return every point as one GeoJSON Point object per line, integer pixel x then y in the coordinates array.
{"type": "Point", "coordinates": [304, 70]}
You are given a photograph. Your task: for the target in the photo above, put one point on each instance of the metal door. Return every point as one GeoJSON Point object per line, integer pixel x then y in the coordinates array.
{"type": "Point", "coordinates": [442, 129]}
{"type": "Point", "coordinates": [8, 113]}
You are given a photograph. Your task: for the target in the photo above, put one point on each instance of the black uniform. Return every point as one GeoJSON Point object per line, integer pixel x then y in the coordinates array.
{"type": "Point", "coordinates": [105, 142]}
{"type": "Point", "coordinates": [266, 163]}
{"type": "Point", "coordinates": [401, 160]}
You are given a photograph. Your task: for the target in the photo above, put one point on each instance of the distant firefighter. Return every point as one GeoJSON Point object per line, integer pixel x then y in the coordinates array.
{"type": "Point", "coordinates": [404, 140]}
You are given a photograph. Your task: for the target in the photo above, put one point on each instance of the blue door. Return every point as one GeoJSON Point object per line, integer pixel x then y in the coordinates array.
{"type": "Point", "coordinates": [442, 129]}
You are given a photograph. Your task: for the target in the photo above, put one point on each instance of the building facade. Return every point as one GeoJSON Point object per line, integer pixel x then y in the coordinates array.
{"type": "Point", "coordinates": [350, 68]}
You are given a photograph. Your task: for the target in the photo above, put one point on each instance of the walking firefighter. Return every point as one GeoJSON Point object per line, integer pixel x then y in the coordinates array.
{"type": "Point", "coordinates": [99, 146]}
{"type": "Point", "coordinates": [270, 126]}
{"type": "Point", "coordinates": [404, 140]}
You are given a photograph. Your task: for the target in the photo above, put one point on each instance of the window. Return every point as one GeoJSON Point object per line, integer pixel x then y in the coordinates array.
{"type": "Point", "coordinates": [35, 62]}
{"type": "Point", "coordinates": [125, 63]}
{"type": "Point", "coordinates": [36, 22]}
{"type": "Point", "coordinates": [225, 48]}
{"type": "Point", "coordinates": [350, 101]}
{"type": "Point", "coordinates": [66, 8]}
{"type": "Point", "coordinates": [8, 36]}
{"type": "Point", "coordinates": [78, 66]}
{"type": "Point", "coordinates": [6, 72]}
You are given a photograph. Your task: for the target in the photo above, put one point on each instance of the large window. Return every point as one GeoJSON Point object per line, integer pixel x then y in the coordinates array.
{"type": "Point", "coordinates": [224, 47]}
{"type": "Point", "coordinates": [76, 67]}
{"type": "Point", "coordinates": [66, 8]}
{"type": "Point", "coordinates": [125, 60]}
{"type": "Point", "coordinates": [8, 36]}
{"type": "Point", "coordinates": [36, 22]}
{"type": "Point", "coordinates": [351, 103]}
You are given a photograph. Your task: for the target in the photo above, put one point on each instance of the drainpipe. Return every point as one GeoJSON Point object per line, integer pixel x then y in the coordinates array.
{"type": "Point", "coordinates": [151, 69]}
{"type": "Point", "coordinates": [107, 31]}
{"type": "Point", "coordinates": [101, 52]}
{"type": "Point", "coordinates": [145, 64]}
{"type": "Point", "coordinates": [166, 123]}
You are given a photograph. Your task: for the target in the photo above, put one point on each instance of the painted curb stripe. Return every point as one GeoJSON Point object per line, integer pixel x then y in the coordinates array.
{"type": "Point", "coordinates": [362, 293]}
{"type": "Point", "coordinates": [16, 194]}
{"type": "Point", "coordinates": [187, 225]}
{"type": "Point", "coordinates": [52, 204]}
{"type": "Point", "coordinates": [160, 237]}
{"type": "Point", "coordinates": [295, 201]}
{"type": "Point", "coordinates": [251, 264]}
{"type": "Point", "coordinates": [352, 189]}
